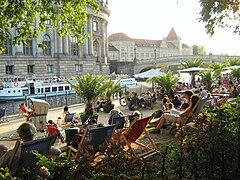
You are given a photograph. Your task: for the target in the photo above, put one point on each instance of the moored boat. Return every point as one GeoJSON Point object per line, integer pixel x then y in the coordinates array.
{"type": "Point", "coordinates": [18, 89]}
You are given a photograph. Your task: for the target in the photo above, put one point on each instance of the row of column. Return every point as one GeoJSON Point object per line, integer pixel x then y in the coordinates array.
{"type": "Point", "coordinates": [88, 44]}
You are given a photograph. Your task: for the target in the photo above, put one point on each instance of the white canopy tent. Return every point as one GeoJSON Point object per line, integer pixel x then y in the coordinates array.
{"type": "Point", "coordinates": [194, 69]}
{"type": "Point", "coordinates": [148, 74]}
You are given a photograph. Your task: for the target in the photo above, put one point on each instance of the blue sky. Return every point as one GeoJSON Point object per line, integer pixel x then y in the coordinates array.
{"type": "Point", "coordinates": [153, 19]}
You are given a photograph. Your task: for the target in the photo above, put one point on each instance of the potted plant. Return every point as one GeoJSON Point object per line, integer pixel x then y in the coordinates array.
{"type": "Point", "coordinates": [111, 89]}
{"type": "Point", "coordinates": [89, 88]}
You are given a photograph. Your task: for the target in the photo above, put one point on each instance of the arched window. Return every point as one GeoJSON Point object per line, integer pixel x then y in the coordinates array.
{"type": "Point", "coordinates": [8, 46]}
{"type": "Point", "coordinates": [27, 48]}
{"type": "Point", "coordinates": [47, 42]}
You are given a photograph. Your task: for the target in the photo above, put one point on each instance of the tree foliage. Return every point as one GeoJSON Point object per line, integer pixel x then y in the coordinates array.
{"type": "Point", "coordinates": [28, 18]}
{"type": "Point", "coordinates": [192, 63]}
{"type": "Point", "coordinates": [217, 68]}
{"type": "Point", "coordinates": [89, 87]}
{"type": "Point", "coordinates": [166, 81]}
{"type": "Point", "coordinates": [220, 13]}
{"type": "Point", "coordinates": [207, 78]}
{"type": "Point", "coordinates": [236, 74]}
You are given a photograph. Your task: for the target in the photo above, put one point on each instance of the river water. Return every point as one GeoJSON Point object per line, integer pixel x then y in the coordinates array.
{"type": "Point", "coordinates": [12, 107]}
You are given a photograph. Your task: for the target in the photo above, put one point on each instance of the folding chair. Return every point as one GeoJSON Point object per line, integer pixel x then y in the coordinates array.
{"type": "Point", "coordinates": [94, 138]}
{"type": "Point", "coordinates": [195, 113]}
{"type": "Point", "coordinates": [120, 121]}
{"type": "Point", "coordinates": [131, 117]}
{"type": "Point", "coordinates": [3, 116]}
{"type": "Point", "coordinates": [132, 134]}
{"type": "Point", "coordinates": [69, 117]}
{"type": "Point", "coordinates": [27, 159]}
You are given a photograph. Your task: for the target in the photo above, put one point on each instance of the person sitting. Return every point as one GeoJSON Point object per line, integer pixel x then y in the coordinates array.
{"type": "Point", "coordinates": [176, 101]}
{"type": "Point", "coordinates": [134, 102]}
{"type": "Point", "coordinates": [234, 92]}
{"type": "Point", "coordinates": [186, 98]}
{"type": "Point", "coordinates": [223, 91]}
{"type": "Point", "coordinates": [175, 117]}
{"type": "Point", "coordinates": [26, 132]}
{"type": "Point", "coordinates": [115, 113]}
{"type": "Point", "coordinates": [25, 110]}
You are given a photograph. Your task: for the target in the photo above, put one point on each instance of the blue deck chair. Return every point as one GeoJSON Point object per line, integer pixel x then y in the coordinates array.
{"type": "Point", "coordinates": [94, 139]}
{"type": "Point", "coordinates": [69, 117]}
{"type": "Point", "coordinates": [120, 121]}
{"type": "Point", "coordinates": [27, 158]}
{"type": "Point", "coordinates": [3, 116]}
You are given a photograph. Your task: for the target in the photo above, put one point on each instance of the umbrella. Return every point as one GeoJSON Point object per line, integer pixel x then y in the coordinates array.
{"type": "Point", "coordinates": [194, 69]}
{"type": "Point", "coordinates": [149, 73]}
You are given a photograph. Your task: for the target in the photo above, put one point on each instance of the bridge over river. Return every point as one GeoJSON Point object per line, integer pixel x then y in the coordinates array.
{"type": "Point", "coordinates": [174, 60]}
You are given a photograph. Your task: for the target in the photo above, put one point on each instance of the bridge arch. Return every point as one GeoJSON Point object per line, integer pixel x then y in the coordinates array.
{"type": "Point", "coordinates": [163, 62]}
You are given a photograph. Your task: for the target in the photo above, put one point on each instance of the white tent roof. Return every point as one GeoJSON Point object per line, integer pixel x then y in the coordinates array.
{"type": "Point", "coordinates": [149, 73]}
{"type": "Point", "coordinates": [231, 67]}
{"type": "Point", "coordinates": [194, 69]}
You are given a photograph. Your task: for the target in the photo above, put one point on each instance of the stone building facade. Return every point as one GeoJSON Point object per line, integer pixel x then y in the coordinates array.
{"type": "Point", "coordinates": [62, 56]}
{"type": "Point", "coordinates": [143, 49]}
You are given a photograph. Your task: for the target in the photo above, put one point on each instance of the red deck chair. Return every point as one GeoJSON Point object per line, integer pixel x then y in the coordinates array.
{"type": "Point", "coordinates": [132, 134]}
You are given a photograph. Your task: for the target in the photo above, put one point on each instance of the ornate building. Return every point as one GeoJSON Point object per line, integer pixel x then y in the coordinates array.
{"type": "Point", "coordinates": [130, 49]}
{"type": "Point", "coordinates": [62, 55]}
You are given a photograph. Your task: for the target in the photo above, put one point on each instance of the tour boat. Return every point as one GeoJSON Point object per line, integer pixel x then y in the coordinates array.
{"type": "Point", "coordinates": [19, 89]}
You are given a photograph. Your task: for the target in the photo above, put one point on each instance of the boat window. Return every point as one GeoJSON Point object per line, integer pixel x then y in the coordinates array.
{"type": "Point", "coordinates": [60, 88]}
{"type": "Point", "coordinates": [41, 90]}
{"type": "Point", "coordinates": [38, 90]}
{"type": "Point", "coordinates": [14, 91]}
{"type": "Point", "coordinates": [9, 92]}
{"type": "Point", "coordinates": [47, 89]}
{"type": "Point", "coordinates": [54, 89]}
{"type": "Point", "coordinates": [67, 88]}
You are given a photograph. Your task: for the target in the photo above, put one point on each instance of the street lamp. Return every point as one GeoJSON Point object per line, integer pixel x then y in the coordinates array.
{"type": "Point", "coordinates": [135, 50]}
{"type": "Point", "coordinates": [210, 60]}
{"type": "Point", "coordinates": [155, 54]}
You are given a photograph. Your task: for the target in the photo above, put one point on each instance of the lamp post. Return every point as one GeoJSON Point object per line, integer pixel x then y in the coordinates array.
{"type": "Point", "coordinates": [135, 50]}
{"type": "Point", "coordinates": [155, 54]}
{"type": "Point", "coordinates": [210, 60]}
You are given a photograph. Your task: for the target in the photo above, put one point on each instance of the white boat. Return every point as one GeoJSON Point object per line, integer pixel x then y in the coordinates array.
{"type": "Point", "coordinates": [20, 89]}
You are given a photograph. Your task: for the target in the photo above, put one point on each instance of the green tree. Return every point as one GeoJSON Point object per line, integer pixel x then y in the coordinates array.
{"type": "Point", "coordinates": [236, 74]}
{"type": "Point", "coordinates": [28, 18]}
{"type": "Point", "coordinates": [217, 68]}
{"type": "Point", "coordinates": [232, 62]}
{"type": "Point", "coordinates": [192, 63]}
{"type": "Point", "coordinates": [89, 87]}
{"type": "Point", "coordinates": [111, 89]}
{"type": "Point", "coordinates": [167, 81]}
{"type": "Point", "coordinates": [217, 13]}
{"type": "Point", "coordinates": [207, 78]}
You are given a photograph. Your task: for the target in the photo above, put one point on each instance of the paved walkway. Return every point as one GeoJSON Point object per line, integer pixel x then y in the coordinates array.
{"type": "Point", "coordinates": [9, 128]}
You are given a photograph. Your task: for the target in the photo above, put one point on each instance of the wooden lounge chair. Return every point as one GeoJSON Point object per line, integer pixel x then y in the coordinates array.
{"type": "Point", "coordinates": [94, 139]}
{"type": "Point", "coordinates": [194, 112]}
{"type": "Point", "coordinates": [132, 134]}
{"type": "Point", "coordinates": [27, 159]}
{"type": "Point", "coordinates": [194, 115]}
